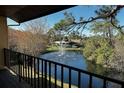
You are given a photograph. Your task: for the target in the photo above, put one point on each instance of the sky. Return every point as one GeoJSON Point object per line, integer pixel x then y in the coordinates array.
{"type": "Point", "coordinates": [77, 11]}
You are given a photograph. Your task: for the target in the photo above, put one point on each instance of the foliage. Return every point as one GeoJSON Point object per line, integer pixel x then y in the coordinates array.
{"type": "Point", "coordinates": [74, 35]}
{"type": "Point", "coordinates": [105, 53]}
{"type": "Point", "coordinates": [60, 30]}
{"type": "Point", "coordinates": [88, 50]}
{"type": "Point", "coordinates": [106, 45]}
{"type": "Point", "coordinates": [98, 50]}
{"type": "Point", "coordinates": [32, 40]}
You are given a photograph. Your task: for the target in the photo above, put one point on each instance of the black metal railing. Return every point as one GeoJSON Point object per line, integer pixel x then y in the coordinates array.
{"type": "Point", "coordinates": [37, 71]}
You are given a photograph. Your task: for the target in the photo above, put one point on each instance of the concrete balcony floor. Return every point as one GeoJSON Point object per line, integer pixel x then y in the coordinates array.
{"type": "Point", "coordinates": [10, 80]}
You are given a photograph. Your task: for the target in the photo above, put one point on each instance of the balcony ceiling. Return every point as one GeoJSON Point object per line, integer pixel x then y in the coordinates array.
{"type": "Point", "coordinates": [22, 13]}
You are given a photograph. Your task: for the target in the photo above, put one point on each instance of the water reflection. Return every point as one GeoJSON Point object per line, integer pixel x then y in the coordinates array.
{"type": "Point", "coordinates": [76, 59]}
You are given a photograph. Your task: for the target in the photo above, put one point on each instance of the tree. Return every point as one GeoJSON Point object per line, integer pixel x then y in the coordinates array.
{"type": "Point", "coordinates": [101, 47]}
{"type": "Point", "coordinates": [51, 35]}
{"type": "Point", "coordinates": [12, 38]}
{"type": "Point", "coordinates": [105, 29]}
{"type": "Point", "coordinates": [32, 40]}
{"type": "Point", "coordinates": [108, 13]}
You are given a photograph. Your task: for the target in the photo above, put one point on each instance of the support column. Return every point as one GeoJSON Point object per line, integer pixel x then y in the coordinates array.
{"type": "Point", "coordinates": [3, 39]}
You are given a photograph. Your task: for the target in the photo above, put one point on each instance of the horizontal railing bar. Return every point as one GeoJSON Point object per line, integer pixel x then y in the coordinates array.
{"type": "Point", "coordinates": [76, 69]}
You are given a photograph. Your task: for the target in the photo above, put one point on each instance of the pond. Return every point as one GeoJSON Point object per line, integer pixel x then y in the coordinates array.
{"type": "Point", "coordinates": [76, 59]}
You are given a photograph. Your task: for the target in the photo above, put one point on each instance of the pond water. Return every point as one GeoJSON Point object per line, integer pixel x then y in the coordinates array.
{"type": "Point", "coordinates": [76, 59]}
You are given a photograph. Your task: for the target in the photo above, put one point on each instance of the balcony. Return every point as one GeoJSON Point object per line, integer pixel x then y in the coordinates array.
{"type": "Point", "coordinates": [23, 71]}
{"type": "Point", "coordinates": [30, 71]}
{"type": "Point", "coordinates": [8, 79]}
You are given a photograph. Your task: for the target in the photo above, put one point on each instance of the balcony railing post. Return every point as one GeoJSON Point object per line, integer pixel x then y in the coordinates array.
{"type": "Point", "coordinates": [45, 74]}
{"type": "Point", "coordinates": [122, 85]}
{"type": "Point", "coordinates": [90, 81]}
{"type": "Point", "coordinates": [28, 69]}
{"type": "Point", "coordinates": [34, 73]}
{"type": "Point", "coordinates": [9, 58]}
{"type": "Point", "coordinates": [42, 73]}
{"type": "Point", "coordinates": [38, 73]}
{"type": "Point", "coordinates": [19, 66]}
{"type": "Point", "coordinates": [31, 71]}
{"type": "Point", "coordinates": [5, 61]}
{"type": "Point", "coordinates": [69, 78]}
{"type": "Point", "coordinates": [55, 75]}
{"type": "Point", "coordinates": [62, 76]}
{"type": "Point", "coordinates": [79, 79]}
{"type": "Point", "coordinates": [49, 74]}
{"type": "Point", "coordinates": [23, 67]}
{"type": "Point", "coordinates": [104, 83]}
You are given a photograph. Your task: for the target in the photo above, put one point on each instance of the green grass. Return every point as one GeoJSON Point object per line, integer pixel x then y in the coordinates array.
{"type": "Point", "coordinates": [55, 48]}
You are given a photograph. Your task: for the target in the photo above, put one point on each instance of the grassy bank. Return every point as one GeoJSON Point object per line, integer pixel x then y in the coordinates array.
{"type": "Point", "coordinates": [54, 48]}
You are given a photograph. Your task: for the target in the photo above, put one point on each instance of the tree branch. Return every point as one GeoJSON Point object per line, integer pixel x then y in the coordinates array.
{"type": "Point", "coordinates": [107, 15]}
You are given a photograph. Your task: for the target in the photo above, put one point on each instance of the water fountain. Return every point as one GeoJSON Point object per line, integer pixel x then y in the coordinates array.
{"type": "Point", "coordinates": [61, 47]}
{"type": "Point", "coordinates": [77, 60]}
